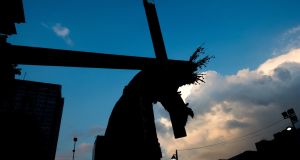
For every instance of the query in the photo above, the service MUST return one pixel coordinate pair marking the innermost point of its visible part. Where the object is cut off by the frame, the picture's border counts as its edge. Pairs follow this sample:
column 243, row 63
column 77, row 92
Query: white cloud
column 63, row 32
column 165, row 122
column 269, row 66
column 185, row 91
column 231, row 106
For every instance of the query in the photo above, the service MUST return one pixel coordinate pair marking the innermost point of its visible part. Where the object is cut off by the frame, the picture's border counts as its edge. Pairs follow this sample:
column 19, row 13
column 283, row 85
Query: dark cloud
column 231, row 124
column 282, row 74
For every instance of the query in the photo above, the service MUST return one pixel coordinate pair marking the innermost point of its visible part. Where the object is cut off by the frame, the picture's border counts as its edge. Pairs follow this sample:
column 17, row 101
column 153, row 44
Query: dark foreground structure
column 30, row 116
column 284, row 146
column 131, row 132
column 30, row 112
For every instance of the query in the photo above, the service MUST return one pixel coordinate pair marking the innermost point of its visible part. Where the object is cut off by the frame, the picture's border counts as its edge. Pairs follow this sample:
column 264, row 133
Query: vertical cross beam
column 156, row 35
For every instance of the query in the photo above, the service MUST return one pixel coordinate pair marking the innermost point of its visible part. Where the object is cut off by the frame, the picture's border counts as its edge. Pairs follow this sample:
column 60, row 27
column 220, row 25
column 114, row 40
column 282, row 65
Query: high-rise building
column 30, row 116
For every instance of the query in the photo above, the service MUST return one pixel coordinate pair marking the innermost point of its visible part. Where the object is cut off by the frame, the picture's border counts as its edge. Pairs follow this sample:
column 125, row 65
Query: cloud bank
column 231, row 110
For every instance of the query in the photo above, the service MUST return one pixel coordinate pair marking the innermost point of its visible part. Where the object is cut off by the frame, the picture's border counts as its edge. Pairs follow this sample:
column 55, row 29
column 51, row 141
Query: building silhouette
column 98, row 147
column 30, row 116
column 285, row 146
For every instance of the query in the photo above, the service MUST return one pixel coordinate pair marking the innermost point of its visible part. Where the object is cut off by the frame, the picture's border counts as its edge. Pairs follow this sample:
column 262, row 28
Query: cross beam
column 56, row 57
column 15, row 54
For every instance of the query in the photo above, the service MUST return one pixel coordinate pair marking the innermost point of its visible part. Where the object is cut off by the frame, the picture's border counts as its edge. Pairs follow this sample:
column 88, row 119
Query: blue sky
column 240, row 34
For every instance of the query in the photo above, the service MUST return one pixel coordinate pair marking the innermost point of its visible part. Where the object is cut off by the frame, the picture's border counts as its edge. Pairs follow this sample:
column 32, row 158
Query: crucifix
column 131, row 129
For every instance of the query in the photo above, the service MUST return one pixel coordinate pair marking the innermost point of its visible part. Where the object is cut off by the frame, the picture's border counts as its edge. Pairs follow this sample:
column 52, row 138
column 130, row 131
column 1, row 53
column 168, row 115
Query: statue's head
column 164, row 82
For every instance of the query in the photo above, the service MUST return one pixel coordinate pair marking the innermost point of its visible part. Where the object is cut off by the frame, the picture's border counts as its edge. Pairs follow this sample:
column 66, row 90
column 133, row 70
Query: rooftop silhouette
column 285, row 145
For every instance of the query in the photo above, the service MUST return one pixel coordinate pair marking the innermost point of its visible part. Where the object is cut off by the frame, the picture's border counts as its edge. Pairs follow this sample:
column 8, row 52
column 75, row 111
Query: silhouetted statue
column 131, row 131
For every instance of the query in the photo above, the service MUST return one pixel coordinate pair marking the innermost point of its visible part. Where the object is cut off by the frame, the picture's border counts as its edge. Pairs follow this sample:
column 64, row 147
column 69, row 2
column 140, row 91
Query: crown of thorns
column 192, row 75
